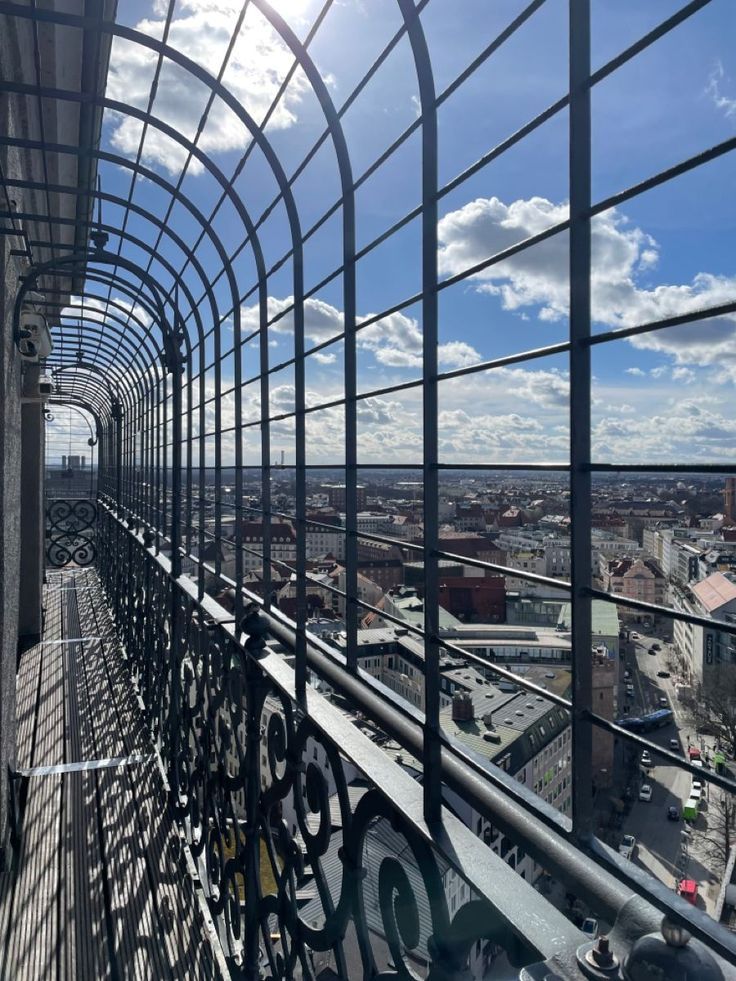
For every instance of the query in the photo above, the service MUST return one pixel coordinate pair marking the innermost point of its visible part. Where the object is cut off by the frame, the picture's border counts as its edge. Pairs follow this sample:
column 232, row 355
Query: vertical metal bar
column 265, row 428
column 163, row 523
column 202, row 476
column 188, row 461
column 351, row 434
column 300, row 489
column 176, row 425
column 580, row 481
column 119, row 455
column 148, row 432
column 218, row 446
column 256, row 693
column 238, row 410
column 432, row 744
column 157, row 479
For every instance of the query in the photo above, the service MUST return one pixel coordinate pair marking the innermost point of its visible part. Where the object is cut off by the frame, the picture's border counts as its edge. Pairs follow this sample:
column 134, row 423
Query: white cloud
column 622, row 255
column 325, row 357
column 726, row 103
column 637, row 372
column 675, row 430
column 202, row 29
column 395, row 340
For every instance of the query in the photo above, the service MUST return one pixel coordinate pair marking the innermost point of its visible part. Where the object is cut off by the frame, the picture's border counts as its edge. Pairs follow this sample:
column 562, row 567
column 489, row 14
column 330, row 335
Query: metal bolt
column 601, row 956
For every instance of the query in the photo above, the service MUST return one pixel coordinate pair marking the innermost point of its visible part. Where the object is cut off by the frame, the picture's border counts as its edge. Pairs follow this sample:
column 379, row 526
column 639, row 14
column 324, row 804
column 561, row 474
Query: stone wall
column 10, row 454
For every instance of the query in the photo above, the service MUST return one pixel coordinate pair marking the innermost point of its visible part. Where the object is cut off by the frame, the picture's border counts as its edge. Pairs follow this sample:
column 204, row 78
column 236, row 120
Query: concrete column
column 10, row 450
column 32, row 523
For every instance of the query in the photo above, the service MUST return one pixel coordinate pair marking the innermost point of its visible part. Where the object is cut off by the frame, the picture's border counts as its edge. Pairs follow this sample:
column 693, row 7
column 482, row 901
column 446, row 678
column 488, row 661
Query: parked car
column 589, row 927
column 696, row 794
column 672, row 813
column 663, row 674
column 630, row 691
column 627, row 846
column 663, row 703
column 690, row 810
column 652, row 650
column 634, row 635
column 645, row 792
column 657, row 647
column 627, row 675
column 674, row 743
column 688, row 889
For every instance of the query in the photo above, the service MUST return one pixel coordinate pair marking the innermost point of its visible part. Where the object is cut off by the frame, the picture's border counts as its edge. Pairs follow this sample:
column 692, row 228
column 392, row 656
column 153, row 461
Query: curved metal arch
column 171, row 189
column 135, row 386
column 93, row 437
column 115, row 396
column 125, row 286
column 347, row 186
column 139, row 243
column 81, row 404
column 198, row 72
column 95, row 396
column 170, row 339
column 114, row 304
column 111, row 318
column 141, row 212
column 126, row 317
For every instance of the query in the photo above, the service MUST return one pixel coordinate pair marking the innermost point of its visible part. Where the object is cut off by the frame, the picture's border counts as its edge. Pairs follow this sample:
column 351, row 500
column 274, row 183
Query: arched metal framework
column 156, row 348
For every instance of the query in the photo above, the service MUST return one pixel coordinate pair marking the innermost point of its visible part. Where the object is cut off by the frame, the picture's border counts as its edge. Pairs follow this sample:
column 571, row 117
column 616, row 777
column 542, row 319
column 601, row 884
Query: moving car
column 674, row 743
column 630, row 690
column 590, row 927
column 672, row 813
column 663, row 703
column 688, row 889
column 645, row 792
column 646, row 759
column 627, row 846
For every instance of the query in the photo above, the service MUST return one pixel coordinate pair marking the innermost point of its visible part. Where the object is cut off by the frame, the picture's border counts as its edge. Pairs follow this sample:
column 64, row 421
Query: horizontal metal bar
column 664, row 611
column 716, row 468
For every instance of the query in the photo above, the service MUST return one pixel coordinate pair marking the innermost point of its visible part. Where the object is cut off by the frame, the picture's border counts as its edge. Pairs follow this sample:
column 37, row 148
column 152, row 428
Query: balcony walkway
column 96, row 890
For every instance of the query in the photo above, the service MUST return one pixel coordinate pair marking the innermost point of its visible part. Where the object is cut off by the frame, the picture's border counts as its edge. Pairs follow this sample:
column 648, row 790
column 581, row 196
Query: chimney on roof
column 729, row 500
column 462, row 707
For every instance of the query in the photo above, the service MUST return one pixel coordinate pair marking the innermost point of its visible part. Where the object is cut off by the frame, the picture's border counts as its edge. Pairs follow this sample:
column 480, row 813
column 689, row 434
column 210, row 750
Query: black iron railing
column 310, row 842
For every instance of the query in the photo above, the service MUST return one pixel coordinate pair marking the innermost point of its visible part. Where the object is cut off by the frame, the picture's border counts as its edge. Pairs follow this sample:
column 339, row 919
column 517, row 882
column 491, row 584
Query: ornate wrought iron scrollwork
column 70, row 533
column 305, row 864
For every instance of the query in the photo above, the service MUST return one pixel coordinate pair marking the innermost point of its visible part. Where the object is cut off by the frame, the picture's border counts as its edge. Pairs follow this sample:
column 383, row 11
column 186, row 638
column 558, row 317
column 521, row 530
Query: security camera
column 34, row 337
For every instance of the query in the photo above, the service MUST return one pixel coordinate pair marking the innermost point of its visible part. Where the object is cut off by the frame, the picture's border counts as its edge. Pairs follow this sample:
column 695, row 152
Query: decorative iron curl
column 70, row 533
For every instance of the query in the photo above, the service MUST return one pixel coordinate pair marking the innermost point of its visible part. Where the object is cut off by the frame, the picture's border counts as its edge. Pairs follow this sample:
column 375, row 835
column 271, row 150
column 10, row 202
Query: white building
column 703, row 651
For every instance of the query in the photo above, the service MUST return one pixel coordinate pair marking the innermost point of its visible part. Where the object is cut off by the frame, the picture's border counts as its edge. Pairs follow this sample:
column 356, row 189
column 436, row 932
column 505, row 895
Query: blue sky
column 661, row 397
